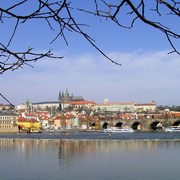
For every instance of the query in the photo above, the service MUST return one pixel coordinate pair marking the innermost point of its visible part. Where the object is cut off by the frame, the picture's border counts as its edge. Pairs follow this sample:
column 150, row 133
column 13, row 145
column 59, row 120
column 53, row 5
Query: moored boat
column 118, row 130
column 173, row 129
column 29, row 130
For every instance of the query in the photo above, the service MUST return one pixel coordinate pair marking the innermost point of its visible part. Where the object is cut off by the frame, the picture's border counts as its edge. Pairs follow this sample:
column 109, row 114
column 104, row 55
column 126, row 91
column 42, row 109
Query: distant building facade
column 130, row 107
column 5, row 107
column 116, row 107
column 66, row 121
column 8, row 122
column 149, row 107
column 44, row 105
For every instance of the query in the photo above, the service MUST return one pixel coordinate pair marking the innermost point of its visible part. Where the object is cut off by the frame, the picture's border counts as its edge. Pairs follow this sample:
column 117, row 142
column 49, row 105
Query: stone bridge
column 139, row 124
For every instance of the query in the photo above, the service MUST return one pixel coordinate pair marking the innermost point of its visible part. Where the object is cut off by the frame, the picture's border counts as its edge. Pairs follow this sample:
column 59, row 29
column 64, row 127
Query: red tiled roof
column 59, row 117
column 21, row 118
column 27, row 120
column 68, row 116
column 29, row 114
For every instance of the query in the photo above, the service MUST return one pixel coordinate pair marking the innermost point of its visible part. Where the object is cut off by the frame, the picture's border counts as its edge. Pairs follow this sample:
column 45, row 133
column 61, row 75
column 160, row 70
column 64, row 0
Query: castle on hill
column 64, row 99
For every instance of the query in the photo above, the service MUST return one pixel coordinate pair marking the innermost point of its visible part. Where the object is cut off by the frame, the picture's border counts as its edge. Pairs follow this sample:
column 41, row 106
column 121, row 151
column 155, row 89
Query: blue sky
column 147, row 72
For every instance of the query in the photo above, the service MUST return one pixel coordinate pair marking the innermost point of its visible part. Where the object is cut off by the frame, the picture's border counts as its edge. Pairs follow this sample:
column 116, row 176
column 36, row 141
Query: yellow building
column 28, row 125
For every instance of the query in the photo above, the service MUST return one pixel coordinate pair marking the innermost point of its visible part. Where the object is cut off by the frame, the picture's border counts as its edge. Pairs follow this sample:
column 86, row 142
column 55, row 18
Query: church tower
column 66, row 96
column 60, row 102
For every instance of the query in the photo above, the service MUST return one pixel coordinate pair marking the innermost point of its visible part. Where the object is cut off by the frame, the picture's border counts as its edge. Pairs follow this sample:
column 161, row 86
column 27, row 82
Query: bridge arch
column 105, row 125
column 119, row 124
column 92, row 125
column 136, row 125
column 156, row 125
column 176, row 123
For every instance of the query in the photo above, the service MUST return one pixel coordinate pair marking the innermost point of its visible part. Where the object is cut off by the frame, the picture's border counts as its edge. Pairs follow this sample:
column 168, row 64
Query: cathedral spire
column 60, row 101
column 60, row 96
column 60, row 107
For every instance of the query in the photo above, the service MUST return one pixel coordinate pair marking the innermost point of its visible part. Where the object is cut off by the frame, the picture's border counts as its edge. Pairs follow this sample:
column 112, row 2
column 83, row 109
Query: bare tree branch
column 139, row 12
column 22, row 58
column 59, row 18
column 7, row 100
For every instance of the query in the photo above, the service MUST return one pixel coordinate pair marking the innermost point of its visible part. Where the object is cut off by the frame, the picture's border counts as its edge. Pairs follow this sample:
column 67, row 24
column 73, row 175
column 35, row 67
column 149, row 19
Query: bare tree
column 59, row 14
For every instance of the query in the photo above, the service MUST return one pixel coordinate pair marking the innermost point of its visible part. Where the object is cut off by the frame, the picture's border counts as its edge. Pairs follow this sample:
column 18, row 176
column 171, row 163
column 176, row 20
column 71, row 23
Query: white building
column 126, row 107
column 116, row 107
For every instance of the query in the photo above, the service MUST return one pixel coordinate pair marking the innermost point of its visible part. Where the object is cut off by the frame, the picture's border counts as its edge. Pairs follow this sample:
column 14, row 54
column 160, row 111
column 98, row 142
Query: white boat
column 118, row 130
column 173, row 129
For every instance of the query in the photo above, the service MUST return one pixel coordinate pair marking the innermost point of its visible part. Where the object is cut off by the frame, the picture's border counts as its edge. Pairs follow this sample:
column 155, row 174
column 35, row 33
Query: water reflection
column 73, row 148
column 88, row 159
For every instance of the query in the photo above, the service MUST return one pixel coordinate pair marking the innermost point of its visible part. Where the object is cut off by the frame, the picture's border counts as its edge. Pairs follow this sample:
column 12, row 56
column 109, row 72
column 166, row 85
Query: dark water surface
column 90, row 156
column 94, row 135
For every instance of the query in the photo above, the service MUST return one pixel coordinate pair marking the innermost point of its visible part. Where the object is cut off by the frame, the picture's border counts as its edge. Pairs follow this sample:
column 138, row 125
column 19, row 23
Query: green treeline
column 171, row 108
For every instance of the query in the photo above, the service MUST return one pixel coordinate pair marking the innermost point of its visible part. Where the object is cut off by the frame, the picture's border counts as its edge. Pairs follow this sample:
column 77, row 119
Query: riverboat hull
column 173, row 129
column 118, row 130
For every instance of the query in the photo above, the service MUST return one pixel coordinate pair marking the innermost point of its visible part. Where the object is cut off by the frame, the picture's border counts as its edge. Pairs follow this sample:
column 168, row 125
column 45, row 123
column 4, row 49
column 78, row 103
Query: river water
column 90, row 156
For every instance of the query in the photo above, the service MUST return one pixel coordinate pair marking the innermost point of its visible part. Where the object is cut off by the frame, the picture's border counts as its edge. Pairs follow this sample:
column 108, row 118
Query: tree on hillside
column 59, row 16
